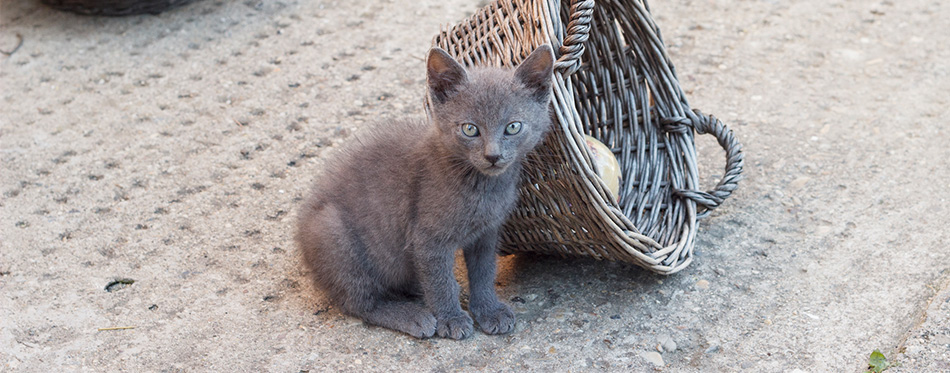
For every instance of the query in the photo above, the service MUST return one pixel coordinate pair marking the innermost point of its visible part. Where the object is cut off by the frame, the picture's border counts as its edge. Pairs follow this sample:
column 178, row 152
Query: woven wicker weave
column 114, row 7
column 613, row 80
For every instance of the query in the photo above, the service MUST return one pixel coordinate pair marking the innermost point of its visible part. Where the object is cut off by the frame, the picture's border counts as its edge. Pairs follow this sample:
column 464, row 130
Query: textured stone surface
column 172, row 150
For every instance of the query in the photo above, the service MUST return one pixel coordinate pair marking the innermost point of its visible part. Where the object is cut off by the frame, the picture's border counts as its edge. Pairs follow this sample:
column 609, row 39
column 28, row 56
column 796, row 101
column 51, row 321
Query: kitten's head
column 490, row 117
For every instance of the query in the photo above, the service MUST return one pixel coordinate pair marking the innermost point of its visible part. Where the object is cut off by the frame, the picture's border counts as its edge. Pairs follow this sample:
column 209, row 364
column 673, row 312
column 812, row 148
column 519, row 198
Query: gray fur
column 380, row 231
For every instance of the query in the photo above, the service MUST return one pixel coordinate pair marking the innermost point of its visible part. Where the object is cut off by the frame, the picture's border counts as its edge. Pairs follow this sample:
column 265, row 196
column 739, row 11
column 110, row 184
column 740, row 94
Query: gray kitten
column 380, row 231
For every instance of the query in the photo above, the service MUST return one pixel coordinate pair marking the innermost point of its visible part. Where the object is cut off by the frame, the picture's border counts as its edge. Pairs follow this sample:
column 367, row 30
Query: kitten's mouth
column 494, row 170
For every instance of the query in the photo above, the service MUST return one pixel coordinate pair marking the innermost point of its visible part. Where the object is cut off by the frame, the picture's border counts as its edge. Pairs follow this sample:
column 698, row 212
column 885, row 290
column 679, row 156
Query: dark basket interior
column 114, row 7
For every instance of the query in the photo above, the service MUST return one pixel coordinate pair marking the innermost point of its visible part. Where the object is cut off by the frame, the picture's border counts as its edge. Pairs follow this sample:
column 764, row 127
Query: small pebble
column 669, row 345
column 653, row 357
column 702, row 284
column 712, row 349
column 665, row 343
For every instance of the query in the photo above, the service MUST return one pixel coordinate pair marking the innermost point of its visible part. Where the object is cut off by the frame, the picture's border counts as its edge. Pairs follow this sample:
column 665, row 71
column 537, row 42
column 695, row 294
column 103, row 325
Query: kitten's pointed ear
column 443, row 74
column 535, row 72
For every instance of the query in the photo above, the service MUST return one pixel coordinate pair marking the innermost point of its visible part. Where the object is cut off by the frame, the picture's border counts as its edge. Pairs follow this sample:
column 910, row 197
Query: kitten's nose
column 492, row 158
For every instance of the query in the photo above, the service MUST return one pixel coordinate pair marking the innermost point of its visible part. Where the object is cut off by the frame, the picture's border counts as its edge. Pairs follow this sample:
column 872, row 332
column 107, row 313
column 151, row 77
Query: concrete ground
column 172, row 151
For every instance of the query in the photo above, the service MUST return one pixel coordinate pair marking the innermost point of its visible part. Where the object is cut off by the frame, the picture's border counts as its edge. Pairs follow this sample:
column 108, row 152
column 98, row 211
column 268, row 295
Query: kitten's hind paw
column 421, row 326
column 498, row 320
column 455, row 327
column 408, row 317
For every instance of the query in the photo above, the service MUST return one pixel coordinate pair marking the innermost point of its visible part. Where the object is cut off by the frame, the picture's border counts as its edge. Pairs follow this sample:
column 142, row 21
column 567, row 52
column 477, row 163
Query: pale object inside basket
column 606, row 165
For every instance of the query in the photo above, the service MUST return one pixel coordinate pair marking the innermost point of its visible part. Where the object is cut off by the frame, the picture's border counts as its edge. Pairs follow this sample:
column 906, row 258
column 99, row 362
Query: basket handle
column 578, row 31
column 734, row 161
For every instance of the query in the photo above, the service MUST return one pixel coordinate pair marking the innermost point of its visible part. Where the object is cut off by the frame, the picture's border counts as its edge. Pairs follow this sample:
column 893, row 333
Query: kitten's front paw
column 455, row 327
column 497, row 320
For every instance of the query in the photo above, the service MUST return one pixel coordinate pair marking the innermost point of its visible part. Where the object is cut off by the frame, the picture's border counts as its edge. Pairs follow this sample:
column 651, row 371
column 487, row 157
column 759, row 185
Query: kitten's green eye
column 513, row 128
column 469, row 130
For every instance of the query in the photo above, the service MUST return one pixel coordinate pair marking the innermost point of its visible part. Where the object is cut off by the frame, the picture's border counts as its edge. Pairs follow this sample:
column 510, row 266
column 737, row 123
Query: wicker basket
column 114, row 7
column 614, row 81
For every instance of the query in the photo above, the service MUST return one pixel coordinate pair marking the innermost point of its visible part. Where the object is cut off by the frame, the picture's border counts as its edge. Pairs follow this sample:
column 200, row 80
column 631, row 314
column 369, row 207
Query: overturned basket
column 614, row 81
